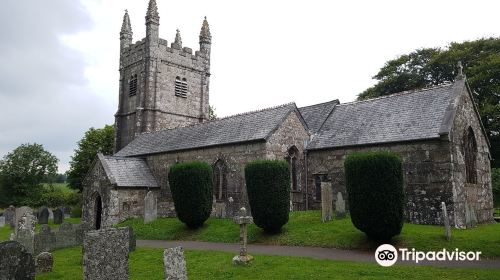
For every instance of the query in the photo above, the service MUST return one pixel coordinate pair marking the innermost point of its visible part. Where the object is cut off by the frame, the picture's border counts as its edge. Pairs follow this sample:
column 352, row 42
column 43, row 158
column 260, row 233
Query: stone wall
column 291, row 133
column 478, row 195
column 427, row 175
column 97, row 184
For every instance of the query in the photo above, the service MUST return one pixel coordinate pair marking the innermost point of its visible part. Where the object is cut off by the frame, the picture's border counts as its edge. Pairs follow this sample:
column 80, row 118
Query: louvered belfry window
column 180, row 87
column 132, row 85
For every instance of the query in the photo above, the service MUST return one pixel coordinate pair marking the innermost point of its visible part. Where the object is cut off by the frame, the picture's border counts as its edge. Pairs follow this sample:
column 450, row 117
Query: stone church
column 163, row 119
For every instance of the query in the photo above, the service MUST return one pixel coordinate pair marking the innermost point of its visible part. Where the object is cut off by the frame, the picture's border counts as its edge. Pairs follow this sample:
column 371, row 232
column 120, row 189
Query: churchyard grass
column 147, row 263
column 5, row 230
column 306, row 229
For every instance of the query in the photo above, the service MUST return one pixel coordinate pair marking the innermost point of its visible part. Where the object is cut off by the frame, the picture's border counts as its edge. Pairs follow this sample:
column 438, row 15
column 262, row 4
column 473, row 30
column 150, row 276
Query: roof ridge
column 333, row 100
column 406, row 92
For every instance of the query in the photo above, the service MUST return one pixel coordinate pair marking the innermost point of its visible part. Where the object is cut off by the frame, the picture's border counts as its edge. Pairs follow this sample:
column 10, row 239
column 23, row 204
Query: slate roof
column 246, row 127
column 128, row 172
column 315, row 115
column 422, row 114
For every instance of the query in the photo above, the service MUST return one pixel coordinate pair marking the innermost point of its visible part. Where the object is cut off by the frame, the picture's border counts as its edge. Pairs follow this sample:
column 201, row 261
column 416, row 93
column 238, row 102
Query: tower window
column 220, row 180
column 470, row 151
column 180, row 86
column 132, row 85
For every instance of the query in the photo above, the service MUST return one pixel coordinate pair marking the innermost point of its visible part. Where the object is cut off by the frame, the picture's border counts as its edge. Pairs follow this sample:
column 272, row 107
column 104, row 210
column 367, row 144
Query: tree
column 100, row 140
column 433, row 66
column 22, row 171
column 212, row 115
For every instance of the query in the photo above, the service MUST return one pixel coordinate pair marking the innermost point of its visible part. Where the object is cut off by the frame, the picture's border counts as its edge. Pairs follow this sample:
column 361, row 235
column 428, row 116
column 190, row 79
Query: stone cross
column 340, row 207
column 326, row 201
column 446, row 222
column 243, row 220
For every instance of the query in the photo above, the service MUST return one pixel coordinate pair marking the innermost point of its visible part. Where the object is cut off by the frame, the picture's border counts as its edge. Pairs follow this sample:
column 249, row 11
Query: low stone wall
column 68, row 235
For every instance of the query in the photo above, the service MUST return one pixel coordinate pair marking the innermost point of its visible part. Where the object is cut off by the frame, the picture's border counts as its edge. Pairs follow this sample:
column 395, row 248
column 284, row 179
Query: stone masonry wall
column 427, row 175
column 97, row 184
column 291, row 133
column 479, row 196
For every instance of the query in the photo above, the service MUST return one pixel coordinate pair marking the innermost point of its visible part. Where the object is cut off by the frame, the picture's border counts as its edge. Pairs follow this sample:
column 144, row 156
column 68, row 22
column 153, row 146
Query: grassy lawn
column 306, row 229
column 5, row 231
column 147, row 263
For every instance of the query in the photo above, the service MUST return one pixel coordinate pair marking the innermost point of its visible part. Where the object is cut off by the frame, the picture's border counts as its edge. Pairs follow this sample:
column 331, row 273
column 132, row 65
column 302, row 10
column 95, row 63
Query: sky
column 59, row 58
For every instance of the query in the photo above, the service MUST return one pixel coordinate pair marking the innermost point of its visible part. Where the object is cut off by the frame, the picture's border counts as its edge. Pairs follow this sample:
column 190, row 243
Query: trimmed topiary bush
column 191, row 187
column 374, row 182
column 268, row 188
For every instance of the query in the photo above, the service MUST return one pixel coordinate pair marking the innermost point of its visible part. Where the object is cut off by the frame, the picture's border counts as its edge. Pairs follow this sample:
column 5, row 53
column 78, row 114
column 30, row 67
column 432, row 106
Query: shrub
column 191, row 187
column 375, row 191
column 268, row 188
column 495, row 178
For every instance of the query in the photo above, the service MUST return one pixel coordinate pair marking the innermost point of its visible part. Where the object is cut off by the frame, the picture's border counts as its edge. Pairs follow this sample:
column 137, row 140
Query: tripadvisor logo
column 387, row 255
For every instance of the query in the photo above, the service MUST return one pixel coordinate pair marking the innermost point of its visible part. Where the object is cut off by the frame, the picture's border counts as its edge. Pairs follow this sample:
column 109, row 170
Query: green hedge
column 268, row 188
column 375, row 191
column 495, row 178
column 192, row 191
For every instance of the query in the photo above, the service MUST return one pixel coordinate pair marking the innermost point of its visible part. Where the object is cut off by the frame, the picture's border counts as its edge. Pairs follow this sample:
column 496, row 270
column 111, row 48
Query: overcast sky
column 59, row 58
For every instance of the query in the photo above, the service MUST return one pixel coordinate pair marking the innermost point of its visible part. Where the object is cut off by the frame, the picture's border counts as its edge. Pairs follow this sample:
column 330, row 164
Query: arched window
column 180, row 86
column 132, row 85
column 220, row 180
column 470, row 151
column 292, row 158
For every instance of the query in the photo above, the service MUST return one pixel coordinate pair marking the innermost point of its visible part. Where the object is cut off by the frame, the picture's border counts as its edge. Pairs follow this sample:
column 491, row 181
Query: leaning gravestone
column 44, row 262
column 43, row 215
column 105, row 254
column 446, row 222
column 150, row 207
column 58, row 216
column 175, row 264
column 326, row 201
column 10, row 214
column 15, row 262
column 340, row 206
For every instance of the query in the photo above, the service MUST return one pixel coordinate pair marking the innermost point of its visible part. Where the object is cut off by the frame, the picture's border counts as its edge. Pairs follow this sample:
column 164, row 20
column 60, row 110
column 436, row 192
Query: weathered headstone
column 340, row 206
column 132, row 241
column 66, row 236
column 20, row 212
column 150, row 207
column 25, row 233
column 10, row 216
column 45, row 240
column 15, row 262
column 326, row 201
column 446, row 222
column 105, row 254
column 470, row 216
column 51, row 215
column 2, row 221
column 175, row 264
column 44, row 262
column 243, row 220
column 58, row 216
column 43, row 215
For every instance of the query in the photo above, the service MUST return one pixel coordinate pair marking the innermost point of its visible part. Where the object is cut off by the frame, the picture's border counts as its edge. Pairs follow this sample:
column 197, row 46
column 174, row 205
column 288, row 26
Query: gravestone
column 51, row 215
column 2, row 221
column 15, row 262
column 43, row 215
column 105, row 254
column 243, row 220
column 25, row 233
column 340, row 206
column 132, row 241
column 66, row 236
column 470, row 216
column 446, row 222
column 45, row 240
column 326, row 201
column 10, row 214
column 150, row 207
column 58, row 216
column 20, row 212
column 174, row 264
column 44, row 262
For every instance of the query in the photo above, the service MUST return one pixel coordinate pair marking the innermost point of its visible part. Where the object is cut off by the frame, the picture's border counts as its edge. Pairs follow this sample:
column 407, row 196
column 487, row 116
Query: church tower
column 161, row 87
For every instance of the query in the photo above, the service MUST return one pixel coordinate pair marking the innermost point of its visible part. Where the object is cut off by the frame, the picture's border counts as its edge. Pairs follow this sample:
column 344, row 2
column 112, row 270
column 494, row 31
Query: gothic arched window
column 470, row 152
column 180, row 86
column 220, row 180
column 132, row 85
column 292, row 158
